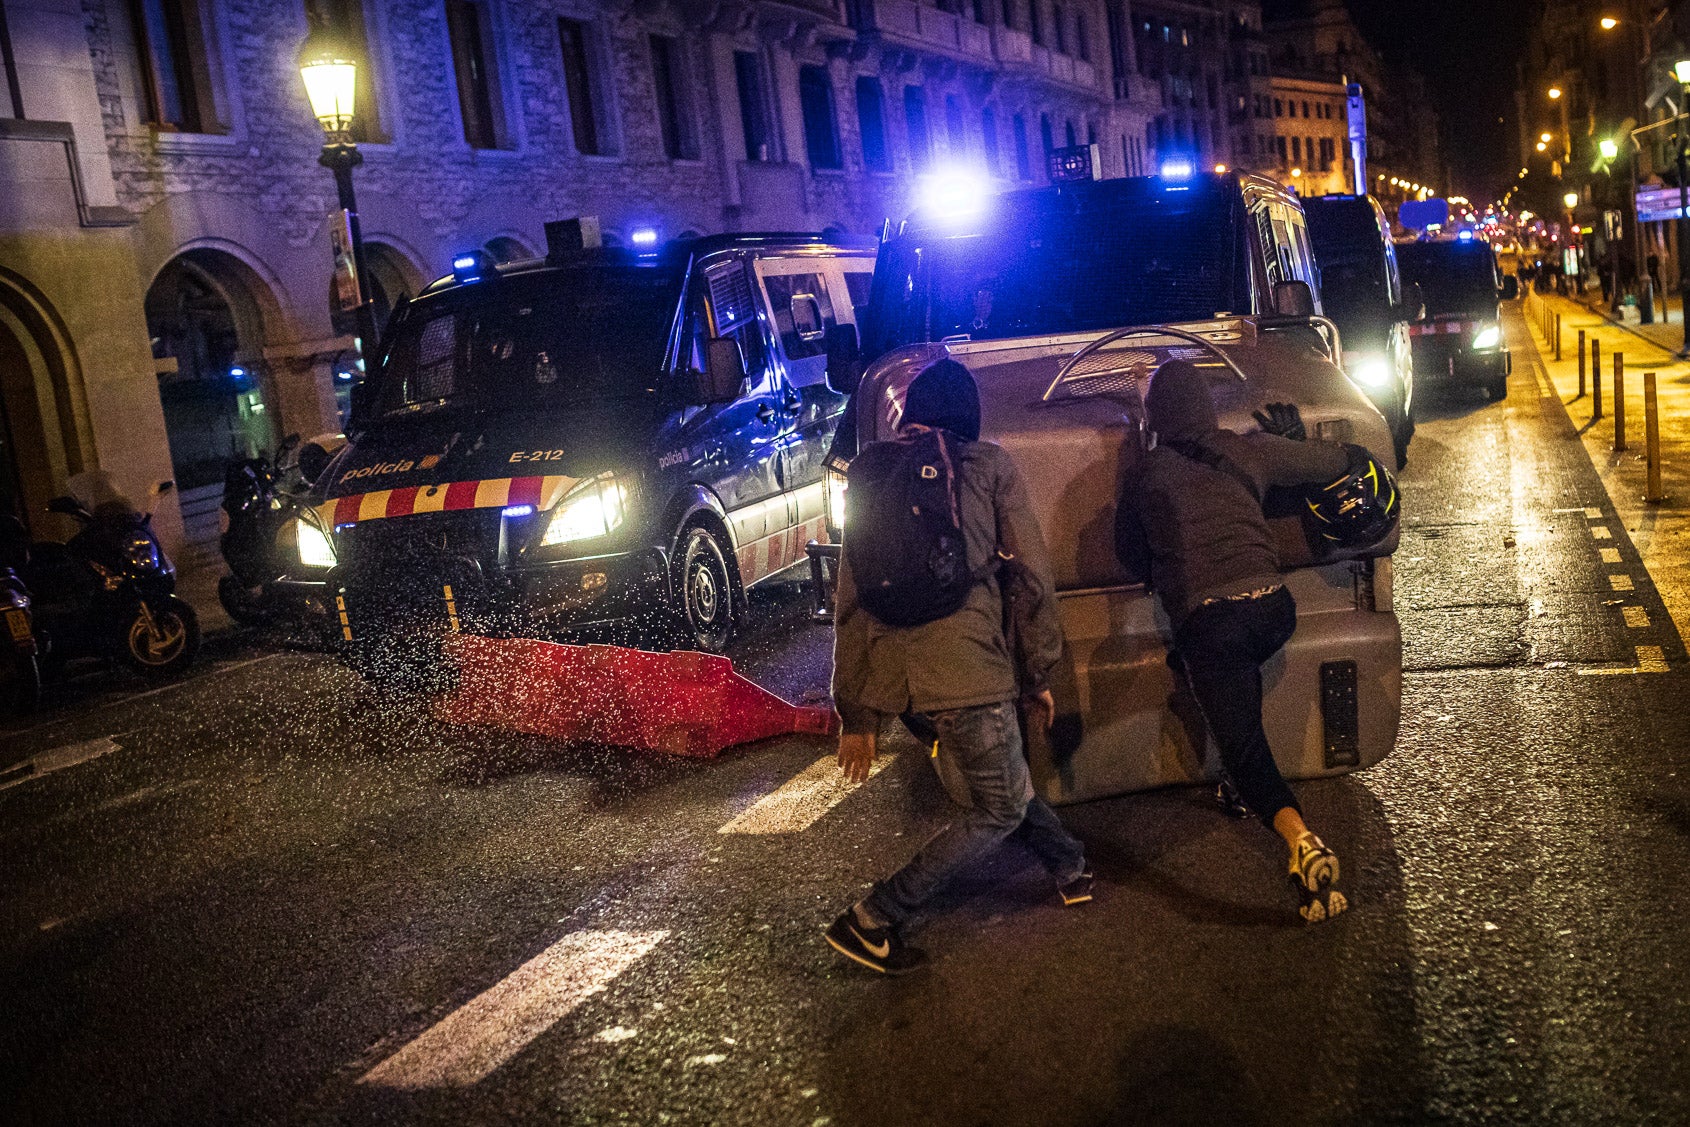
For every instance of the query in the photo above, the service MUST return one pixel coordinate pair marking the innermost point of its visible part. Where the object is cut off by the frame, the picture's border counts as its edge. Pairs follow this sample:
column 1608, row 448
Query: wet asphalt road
column 272, row 880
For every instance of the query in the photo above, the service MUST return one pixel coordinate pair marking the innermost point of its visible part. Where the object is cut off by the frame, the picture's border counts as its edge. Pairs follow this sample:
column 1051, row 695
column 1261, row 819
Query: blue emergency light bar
column 1178, row 168
column 511, row 512
column 643, row 237
column 469, row 267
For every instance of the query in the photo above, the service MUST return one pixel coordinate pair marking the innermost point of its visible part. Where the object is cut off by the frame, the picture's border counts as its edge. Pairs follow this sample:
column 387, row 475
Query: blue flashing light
column 511, row 512
column 1465, row 236
column 466, row 267
column 643, row 237
column 956, row 194
column 1178, row 168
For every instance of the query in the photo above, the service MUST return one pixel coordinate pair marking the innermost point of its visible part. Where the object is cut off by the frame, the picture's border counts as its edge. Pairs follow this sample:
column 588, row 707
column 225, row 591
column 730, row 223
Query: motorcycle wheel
column 160, row 641
column 240, row 604
column 20, row 685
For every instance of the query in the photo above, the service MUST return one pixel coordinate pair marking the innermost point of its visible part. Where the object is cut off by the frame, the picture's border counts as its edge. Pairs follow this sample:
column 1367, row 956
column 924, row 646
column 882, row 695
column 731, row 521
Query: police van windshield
column 1453, row 277
column 553, row 339
column 1078, row 261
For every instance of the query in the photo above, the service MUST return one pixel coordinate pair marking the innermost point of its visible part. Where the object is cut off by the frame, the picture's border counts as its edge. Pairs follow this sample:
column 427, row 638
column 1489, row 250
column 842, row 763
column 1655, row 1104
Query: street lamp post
column 330, row 71
column 1681, row 71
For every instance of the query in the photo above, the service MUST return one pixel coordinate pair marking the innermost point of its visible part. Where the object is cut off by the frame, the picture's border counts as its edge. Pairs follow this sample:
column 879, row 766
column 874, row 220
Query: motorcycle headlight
column 593, row 508
column 141, row 552
column 1372, row 372
column 315, row 548
column 836, row 498
column 1489, row 337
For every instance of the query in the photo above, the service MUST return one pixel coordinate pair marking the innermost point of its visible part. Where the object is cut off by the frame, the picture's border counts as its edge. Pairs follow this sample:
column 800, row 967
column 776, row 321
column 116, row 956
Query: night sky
column 1467, row 53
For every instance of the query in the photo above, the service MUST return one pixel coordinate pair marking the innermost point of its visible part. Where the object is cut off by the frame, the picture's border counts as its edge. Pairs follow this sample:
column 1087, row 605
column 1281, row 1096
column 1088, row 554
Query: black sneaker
column 1314, row 874
column 1076, row 891
column 877, row 948
column 1230, row 801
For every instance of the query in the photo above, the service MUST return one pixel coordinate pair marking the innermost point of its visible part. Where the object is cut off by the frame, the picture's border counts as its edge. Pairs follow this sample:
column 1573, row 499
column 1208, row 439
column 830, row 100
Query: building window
column 478, row 82
column 989, row 134
column 754, row 107
column 346, row 18
column 13, row 105
column 1082, row 39
column 979, row 9
column 1023, row 161
column 1059, row 21
column 1071, row 137
column 1046, row 135
column 821, row 131
column 1009, row 13
column 1297, row 149
column 170, row 44
column 589, row 104
column 954, row 128
column 1035, row 25
column 1278, row 108
column 871, row 124
column 915, row 124
column 674, row 108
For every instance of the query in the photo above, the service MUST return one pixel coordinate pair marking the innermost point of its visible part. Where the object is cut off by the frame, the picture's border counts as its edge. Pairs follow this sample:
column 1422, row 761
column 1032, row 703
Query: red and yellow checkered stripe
column 494, row 493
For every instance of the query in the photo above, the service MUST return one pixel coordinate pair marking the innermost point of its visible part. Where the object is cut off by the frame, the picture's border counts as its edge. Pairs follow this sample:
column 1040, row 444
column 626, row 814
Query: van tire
column 1496, row 390
column 705, row 611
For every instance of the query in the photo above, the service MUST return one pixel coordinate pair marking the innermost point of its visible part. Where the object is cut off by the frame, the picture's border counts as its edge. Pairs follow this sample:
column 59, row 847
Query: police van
column 1063, row 301
column 628, row 435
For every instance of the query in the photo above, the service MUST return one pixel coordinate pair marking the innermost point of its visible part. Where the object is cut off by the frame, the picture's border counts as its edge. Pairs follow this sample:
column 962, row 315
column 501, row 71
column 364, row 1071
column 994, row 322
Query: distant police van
column 606, row 435
column 1063, row 301
column 1459, row 340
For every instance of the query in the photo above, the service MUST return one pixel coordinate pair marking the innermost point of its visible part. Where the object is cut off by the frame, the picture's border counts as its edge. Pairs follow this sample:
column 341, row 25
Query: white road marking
column 1545, row 390
column 475, row 1039
column 1610, row 555
column 808, row 795
column 1600, row 531
column 55, row 759
column 1621, row 582
column 1651, row 659
column 1593, row 514
column 1635, row 617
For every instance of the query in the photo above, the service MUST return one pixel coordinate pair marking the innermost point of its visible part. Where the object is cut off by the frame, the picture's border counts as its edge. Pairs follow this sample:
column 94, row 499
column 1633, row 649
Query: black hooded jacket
column 1195, row 531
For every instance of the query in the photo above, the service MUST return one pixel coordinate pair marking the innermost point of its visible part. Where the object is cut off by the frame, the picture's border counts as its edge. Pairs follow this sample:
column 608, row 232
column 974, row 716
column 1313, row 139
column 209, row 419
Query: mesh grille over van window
column 436, row 366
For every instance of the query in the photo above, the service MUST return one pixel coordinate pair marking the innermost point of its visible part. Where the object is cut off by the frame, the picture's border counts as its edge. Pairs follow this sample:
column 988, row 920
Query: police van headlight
column 1371, row 372
column 1489, row 337
column 593, row 508
column 836, row 498
column 315, row 548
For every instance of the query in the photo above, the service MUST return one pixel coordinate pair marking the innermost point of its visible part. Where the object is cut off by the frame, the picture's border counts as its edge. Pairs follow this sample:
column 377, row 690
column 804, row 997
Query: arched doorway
column 390, row 279
column 207, row 330
column 508, row 248
column 44, row 435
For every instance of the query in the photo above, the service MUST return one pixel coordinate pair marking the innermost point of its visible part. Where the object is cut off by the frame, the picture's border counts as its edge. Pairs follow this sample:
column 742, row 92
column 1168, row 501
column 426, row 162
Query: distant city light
column 1545, row 137
column 1571, row 199
column 1608, row 148
column 1681, row 71
column 1542, row 145
column 1554, row 92
column 1220, row 170
column 1609, row 23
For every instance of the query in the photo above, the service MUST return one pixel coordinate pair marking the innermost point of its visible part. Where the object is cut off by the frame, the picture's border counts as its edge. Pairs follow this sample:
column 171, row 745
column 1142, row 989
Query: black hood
column 944, row 396
column 1179, row 406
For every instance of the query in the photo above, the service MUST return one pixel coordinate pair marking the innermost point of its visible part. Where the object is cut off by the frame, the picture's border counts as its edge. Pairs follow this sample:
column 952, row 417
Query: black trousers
column 1222, row 647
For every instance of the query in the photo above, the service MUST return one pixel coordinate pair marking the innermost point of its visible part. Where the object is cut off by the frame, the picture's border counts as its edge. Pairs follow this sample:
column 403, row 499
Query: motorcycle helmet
column 1354, row 511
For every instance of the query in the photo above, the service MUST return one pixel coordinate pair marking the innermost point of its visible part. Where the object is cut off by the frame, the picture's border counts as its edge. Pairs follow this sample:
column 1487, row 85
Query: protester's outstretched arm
column 850, row 655
column 1020, row 528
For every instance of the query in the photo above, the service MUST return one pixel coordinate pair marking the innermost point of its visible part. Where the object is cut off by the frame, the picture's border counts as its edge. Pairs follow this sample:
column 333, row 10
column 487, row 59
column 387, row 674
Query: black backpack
column 903, row 520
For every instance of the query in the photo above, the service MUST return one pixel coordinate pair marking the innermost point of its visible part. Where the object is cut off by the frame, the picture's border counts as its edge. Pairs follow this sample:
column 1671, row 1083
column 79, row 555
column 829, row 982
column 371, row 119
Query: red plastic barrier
column 682, row 703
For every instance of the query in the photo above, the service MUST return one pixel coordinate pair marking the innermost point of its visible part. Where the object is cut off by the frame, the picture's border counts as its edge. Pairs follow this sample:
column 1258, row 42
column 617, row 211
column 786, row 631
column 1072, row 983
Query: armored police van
column 605, row 435
column 1063, row 301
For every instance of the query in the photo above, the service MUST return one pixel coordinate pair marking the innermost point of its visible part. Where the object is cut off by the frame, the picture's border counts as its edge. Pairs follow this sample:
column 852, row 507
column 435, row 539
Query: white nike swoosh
column 878, row 950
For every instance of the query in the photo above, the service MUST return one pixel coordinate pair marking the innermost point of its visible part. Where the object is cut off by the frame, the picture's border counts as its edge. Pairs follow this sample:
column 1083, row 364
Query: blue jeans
column 986, row 743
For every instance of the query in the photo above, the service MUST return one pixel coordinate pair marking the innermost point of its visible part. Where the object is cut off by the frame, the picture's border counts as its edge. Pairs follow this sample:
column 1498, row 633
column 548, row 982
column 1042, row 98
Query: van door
column 736, row 445
column 806, row 297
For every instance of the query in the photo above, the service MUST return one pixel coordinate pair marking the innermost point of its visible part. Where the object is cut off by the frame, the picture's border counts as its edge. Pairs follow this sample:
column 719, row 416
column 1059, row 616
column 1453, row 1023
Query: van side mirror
column 1510, row 287
column 807, row 317
column 724, row 371
column 1293, row 299
column 844, row 359
column 1413, row 306
column 312, row 461
column 65, row 506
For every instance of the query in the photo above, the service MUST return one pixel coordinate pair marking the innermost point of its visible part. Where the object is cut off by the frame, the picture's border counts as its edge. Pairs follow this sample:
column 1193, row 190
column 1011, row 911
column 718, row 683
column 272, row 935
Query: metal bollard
column 1619, row 401
column 1596, row 378
column 1651, row 441
column 1581, row 364
column 1557, row 336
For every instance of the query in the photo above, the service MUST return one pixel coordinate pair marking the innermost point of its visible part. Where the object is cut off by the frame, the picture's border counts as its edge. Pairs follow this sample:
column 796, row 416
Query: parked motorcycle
column 20, row 671
column 261, row 497
column 109, row 592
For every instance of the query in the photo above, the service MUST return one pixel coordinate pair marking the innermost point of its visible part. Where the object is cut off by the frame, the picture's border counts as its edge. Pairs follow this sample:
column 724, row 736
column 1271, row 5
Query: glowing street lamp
column 1542, row 145
column 329, row 69
column 1571, row 199
column 1608, row 148
column 1554, row 92
column 1609, row 23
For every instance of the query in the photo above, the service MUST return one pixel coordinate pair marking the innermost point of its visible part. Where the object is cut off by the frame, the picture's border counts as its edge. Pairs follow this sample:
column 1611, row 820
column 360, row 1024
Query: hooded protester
column 1191, row 525
column 959, row 671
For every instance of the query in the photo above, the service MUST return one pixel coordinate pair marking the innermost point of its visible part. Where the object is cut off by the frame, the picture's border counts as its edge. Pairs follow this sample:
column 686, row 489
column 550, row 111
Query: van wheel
column 703, row 592
column 1497, row 389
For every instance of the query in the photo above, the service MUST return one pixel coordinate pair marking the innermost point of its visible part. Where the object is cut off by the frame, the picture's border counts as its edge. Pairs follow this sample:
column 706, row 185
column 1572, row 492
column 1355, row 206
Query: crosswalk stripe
column 1610, row 555
column 808, row 795
column 485, row 1032
column 1600, row 532
column 1621, row 582
column 1651, row 659
column 1635, row 617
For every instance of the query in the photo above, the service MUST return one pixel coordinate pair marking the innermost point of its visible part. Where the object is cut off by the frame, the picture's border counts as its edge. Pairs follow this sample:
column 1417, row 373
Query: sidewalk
column 1660, row 531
